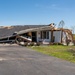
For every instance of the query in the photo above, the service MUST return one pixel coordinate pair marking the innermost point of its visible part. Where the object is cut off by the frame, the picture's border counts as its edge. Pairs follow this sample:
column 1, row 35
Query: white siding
column 39, row 37
column 57, row 35
column 49, row 36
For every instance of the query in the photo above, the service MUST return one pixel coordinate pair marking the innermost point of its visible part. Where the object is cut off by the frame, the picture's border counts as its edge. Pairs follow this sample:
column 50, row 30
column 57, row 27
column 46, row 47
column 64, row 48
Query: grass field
column 63, row 52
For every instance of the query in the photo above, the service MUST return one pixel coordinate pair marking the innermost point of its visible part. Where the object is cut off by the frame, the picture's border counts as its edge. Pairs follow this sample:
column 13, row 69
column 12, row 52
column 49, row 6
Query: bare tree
column 61, row 24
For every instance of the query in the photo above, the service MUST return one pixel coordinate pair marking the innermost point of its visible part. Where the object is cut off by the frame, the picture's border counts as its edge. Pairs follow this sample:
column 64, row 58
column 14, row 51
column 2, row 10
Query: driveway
column 17, row 60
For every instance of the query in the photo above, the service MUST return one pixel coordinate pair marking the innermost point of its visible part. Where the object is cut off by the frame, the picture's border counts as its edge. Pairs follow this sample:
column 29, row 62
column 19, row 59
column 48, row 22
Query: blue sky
column 29, row 12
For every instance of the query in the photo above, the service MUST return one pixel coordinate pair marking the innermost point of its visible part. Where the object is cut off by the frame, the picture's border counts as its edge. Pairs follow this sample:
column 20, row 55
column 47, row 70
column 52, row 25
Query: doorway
column 34, row 37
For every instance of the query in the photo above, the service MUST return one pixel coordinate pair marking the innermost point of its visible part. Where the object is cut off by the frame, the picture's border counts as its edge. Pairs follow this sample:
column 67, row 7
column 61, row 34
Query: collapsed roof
column 50, row 27
column 9, row 30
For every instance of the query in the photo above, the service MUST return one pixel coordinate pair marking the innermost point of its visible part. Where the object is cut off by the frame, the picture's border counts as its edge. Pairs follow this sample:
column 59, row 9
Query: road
column 17, row 60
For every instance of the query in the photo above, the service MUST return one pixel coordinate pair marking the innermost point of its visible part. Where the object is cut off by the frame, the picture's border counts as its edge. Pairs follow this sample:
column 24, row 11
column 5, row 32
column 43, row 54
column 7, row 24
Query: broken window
column 44, row 34
column 41, row 35
column 47, row 34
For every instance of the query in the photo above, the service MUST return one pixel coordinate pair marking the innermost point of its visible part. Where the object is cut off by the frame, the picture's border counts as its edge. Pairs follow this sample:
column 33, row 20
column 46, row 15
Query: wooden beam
column 51, row 35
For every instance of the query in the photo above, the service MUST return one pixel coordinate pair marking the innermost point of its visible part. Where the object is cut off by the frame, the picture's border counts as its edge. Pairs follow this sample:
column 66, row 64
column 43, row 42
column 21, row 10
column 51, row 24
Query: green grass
column 63, row 52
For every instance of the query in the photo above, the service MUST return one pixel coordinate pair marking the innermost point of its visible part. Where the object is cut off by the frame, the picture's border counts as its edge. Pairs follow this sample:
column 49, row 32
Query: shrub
column 32, row 44
column 60, row 44
column 38, row 44
column 55, row 43
column 51, row 43
column 26, row 44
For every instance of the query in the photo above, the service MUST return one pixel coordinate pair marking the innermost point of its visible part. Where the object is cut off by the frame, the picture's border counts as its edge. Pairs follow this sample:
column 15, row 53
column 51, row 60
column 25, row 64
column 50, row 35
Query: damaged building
column 45, row 34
